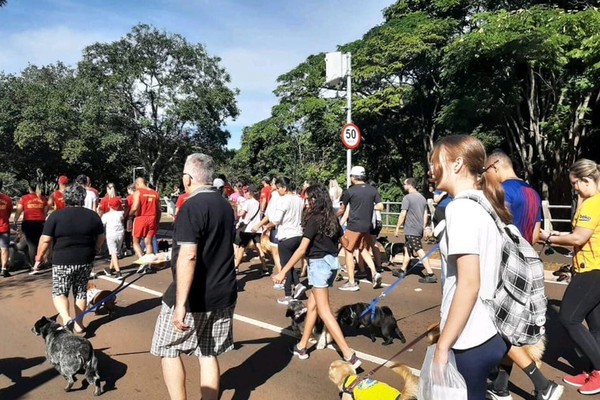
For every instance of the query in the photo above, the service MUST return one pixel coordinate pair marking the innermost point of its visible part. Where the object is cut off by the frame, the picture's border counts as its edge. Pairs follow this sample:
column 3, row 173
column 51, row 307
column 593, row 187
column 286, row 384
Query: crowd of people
column 215, row 224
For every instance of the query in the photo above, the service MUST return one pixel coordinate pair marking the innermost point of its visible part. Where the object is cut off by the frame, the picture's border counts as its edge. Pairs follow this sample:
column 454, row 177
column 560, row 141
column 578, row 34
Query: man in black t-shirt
column 197, row 310
column 362, row 199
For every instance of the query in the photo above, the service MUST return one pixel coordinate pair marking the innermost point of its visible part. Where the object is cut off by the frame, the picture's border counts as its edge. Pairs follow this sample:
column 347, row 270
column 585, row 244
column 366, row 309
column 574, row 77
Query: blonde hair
column 110, row 190
column 473, row 154
column 584, row 168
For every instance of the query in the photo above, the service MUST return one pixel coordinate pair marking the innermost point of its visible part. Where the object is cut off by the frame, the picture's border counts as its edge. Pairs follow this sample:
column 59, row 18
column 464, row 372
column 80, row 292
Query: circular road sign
column 350, row 136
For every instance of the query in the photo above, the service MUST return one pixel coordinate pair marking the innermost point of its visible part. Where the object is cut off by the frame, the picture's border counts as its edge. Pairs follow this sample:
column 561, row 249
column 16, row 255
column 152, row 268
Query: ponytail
column 494, row 192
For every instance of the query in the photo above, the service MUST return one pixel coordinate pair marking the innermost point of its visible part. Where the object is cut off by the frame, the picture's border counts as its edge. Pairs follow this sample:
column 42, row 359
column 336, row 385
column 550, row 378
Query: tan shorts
column 355, row 240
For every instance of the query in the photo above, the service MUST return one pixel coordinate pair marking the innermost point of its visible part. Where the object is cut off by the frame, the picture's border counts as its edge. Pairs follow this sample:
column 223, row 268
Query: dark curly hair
column 321, row 209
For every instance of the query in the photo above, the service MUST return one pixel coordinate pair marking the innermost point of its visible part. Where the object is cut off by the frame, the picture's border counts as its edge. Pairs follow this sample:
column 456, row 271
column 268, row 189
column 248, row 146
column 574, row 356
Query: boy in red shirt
column 6, row 208
column 146, row 208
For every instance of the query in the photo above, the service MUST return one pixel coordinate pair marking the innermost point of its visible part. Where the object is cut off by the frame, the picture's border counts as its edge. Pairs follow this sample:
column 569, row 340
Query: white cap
column 218, row 183
column 357, row 171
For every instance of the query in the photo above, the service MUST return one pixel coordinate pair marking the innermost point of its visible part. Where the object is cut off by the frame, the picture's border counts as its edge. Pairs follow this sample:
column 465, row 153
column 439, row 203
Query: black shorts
column 413, row 243
column 244, row 238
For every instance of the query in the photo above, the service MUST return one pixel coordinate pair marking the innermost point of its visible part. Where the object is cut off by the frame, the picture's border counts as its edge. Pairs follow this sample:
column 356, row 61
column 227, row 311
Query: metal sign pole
column 349, row 112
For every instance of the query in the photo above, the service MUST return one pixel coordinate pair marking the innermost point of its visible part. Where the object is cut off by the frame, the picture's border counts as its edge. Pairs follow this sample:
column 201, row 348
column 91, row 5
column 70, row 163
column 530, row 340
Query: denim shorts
column 273, row 236
column 4, row 240
column 322, row 271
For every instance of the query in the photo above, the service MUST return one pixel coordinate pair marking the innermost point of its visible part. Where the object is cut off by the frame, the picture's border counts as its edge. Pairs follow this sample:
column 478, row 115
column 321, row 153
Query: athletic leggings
column 581, row 301
column 475, row 364
column 287, row 247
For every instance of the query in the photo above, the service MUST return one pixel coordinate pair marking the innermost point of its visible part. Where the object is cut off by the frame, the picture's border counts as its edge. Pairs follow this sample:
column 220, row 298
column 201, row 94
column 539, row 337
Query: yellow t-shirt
column 587, row 257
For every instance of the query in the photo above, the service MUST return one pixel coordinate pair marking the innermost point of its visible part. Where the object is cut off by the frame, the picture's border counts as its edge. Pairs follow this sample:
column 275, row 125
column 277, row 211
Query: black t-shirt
column 206, row 220
column 320, row 245
column 362, row 198
column 74, row 231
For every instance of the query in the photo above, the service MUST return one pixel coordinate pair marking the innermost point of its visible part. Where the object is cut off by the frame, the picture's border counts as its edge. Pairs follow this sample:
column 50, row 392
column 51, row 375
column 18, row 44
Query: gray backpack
column 519, row 304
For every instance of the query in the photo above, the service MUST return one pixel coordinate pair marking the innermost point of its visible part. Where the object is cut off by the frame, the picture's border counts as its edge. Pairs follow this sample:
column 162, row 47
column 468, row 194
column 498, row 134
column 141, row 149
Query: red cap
column 115, row 203
column 63, row 179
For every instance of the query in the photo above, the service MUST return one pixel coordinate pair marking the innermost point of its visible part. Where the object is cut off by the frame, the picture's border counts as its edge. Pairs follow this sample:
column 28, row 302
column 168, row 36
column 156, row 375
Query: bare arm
column 18, row 212
column 465, row 296
column 578, row 237
column 186, row 266
column 136, row 203
column 378, row 207
column 43, row 246
column 401, row 219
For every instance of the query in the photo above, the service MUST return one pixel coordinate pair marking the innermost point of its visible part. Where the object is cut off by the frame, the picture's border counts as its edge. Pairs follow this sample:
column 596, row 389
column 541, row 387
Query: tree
column 169, row 97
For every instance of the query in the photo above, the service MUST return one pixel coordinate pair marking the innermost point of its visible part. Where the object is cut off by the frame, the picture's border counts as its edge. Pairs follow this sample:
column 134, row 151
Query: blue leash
column 375, row 301
column 97, row 305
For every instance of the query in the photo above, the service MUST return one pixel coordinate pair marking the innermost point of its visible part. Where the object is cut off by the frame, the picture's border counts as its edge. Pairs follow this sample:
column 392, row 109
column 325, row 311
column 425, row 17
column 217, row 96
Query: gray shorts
column 114, row 243
column 4, row 240
column 210, row 333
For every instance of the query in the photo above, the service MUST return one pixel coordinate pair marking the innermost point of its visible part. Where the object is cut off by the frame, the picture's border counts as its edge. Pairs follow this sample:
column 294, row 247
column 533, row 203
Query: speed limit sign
column 350, row 136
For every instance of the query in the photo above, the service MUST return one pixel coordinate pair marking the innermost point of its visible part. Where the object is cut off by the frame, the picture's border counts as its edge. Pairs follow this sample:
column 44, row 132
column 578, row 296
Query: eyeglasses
column 492, row 165
column 191, row 177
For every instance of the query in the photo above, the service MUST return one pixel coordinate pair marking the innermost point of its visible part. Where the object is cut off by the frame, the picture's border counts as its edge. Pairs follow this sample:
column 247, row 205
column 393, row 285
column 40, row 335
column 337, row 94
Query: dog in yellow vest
column 343, row 375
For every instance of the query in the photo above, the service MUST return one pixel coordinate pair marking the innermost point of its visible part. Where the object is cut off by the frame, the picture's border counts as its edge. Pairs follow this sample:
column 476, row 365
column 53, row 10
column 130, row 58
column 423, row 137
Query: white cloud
column 44, row 46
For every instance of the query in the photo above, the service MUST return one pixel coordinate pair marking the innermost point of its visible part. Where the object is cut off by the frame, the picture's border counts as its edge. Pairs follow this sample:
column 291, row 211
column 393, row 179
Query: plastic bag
column 439, row 382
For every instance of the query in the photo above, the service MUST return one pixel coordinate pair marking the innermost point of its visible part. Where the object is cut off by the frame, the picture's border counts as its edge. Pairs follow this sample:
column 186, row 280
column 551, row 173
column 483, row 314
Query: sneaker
column 553, row 392
column 493, row 394
column 577, row 380
column 107, row 271
column 377, row 281
column 592, row 386
column 93, row 275
column 299, row 290
column 119, row 276
column 278, row 286
column 428, row 279
column 398, row 272
column 353, row 360
column 350, row 287
column 301, row 353
column 35, row 271
column 5, row 273
column 285, row 300
column 142, row 268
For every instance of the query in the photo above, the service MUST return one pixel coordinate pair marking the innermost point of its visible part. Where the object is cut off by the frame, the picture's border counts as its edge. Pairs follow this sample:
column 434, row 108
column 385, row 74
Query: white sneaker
column 377, row 281
column 285, row 300
column 142, row 268
column 278, row 286
column 299, row 290
column 349, row 287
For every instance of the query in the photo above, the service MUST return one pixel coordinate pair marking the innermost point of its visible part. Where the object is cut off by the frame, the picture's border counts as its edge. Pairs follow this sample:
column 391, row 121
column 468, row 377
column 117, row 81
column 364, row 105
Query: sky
column 256, row 40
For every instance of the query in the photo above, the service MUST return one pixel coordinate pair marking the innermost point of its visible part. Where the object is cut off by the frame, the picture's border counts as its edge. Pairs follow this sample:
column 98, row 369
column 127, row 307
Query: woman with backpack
column 581, row 300
column 471, row 253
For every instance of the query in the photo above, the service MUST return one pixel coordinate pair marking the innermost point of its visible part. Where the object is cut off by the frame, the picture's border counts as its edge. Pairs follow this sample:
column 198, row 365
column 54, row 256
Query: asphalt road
column 260, row 367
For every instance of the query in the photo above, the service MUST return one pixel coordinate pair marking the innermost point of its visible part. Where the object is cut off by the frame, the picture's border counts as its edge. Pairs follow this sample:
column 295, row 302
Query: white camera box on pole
column 335, row 68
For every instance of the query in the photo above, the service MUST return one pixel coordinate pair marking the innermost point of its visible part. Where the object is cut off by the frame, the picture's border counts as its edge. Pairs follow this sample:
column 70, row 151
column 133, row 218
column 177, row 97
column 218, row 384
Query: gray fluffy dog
column 68, row 353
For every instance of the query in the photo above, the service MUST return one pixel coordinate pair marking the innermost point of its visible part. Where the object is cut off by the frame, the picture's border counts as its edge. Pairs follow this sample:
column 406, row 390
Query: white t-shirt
column 113, row 222
column 90, row 199
column 470, row 230
column 288, row 216
column 272, row 205
column 251, row 207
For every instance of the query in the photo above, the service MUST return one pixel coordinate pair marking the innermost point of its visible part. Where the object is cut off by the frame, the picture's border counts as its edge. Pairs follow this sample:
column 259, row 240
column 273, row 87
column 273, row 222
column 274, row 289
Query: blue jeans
column 475, row 364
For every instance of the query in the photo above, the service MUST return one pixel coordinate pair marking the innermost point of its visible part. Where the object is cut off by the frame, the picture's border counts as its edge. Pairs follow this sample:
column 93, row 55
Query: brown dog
column 95, row 296
column 342, row 374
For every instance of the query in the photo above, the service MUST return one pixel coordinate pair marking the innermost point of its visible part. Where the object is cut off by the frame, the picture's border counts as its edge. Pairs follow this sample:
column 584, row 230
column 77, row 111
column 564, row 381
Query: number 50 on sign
column 350, row 136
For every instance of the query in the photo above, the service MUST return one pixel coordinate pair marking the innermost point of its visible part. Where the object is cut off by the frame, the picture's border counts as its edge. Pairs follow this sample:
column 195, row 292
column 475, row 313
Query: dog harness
column 369, row 389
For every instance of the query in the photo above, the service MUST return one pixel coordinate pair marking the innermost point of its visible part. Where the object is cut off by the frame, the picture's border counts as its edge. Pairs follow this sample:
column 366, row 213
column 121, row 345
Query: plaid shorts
column 210, row 333
column 66, row 276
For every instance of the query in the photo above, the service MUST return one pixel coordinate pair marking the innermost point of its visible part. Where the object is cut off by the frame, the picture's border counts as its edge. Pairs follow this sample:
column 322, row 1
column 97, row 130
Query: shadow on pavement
column 132, row 309
column 251, row 273
column 110, row 370
column 13, row 369
column 257, row 369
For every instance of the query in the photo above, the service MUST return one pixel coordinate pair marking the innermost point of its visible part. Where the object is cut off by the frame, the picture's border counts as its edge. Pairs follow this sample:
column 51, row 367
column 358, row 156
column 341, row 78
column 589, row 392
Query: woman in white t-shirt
column 249, row 213
column 113, row 224
column 471, row 252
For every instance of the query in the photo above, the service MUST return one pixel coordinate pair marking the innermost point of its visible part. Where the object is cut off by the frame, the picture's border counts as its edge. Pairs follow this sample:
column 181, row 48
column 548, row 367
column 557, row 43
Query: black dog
column 381, row 323
column 297, row 312
column 70, row 354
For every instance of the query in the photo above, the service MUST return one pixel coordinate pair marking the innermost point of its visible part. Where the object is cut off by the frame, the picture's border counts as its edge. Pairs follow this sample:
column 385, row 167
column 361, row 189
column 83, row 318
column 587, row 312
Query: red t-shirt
column 104, row 208
column 265, row 194
column 33, row 207
column 6, row 208
column 228, row 189
column 148, row 199
column 181, row 199
column 59, row 200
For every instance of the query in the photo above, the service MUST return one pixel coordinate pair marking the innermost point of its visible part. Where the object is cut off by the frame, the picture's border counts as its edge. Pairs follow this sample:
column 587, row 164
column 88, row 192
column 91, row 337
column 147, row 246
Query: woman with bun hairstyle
column 471, row 252
column 581, row 300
